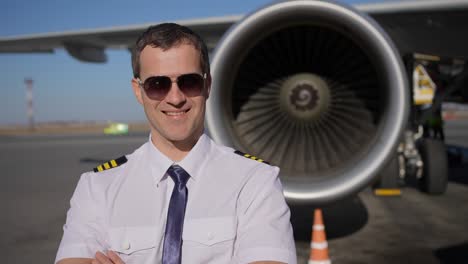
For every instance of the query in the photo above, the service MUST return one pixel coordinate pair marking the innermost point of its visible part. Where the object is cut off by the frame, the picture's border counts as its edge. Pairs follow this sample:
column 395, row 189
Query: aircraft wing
column 424, row 26
column 89, row 45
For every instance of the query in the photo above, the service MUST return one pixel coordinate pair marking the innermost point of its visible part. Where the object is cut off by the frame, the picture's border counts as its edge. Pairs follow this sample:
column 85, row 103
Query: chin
column 179, row 137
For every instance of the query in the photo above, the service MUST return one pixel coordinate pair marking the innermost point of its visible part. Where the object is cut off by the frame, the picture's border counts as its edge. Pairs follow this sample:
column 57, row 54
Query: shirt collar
column 191, row 163
column 194, row 161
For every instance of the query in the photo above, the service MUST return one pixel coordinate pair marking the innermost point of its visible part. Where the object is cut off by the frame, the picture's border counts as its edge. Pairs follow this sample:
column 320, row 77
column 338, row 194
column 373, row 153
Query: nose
column 175, row 96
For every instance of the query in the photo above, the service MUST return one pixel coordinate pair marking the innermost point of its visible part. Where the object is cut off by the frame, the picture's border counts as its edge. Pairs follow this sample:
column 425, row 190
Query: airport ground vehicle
column 116, row 129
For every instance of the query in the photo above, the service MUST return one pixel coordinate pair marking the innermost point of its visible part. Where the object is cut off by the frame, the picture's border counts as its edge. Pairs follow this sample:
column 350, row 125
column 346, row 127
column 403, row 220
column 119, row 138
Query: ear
column 208, row 86
column 137, row 91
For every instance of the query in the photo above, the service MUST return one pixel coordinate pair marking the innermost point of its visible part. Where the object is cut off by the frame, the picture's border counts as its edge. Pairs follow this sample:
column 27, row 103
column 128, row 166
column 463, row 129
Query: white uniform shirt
column 236, row 212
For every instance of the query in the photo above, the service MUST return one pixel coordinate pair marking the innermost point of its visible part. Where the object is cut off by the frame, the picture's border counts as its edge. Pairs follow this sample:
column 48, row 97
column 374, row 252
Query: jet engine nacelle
column 314, row 87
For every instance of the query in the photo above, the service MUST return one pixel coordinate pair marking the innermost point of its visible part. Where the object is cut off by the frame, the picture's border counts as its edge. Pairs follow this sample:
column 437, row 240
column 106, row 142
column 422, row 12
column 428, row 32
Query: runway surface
column 39, row 174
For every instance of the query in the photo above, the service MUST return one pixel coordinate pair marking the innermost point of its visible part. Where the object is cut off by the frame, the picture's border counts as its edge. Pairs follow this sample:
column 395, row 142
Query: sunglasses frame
column 141, row 83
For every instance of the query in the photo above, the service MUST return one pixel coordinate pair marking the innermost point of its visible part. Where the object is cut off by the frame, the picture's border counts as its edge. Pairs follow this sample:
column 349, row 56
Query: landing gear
column 420, row 162
column 435, row 166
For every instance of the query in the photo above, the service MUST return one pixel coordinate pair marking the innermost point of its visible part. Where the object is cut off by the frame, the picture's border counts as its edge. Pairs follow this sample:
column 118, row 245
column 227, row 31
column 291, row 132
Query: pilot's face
column 177, row 117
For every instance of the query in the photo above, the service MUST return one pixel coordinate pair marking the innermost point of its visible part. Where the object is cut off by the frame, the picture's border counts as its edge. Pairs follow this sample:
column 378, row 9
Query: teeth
column 175, row 113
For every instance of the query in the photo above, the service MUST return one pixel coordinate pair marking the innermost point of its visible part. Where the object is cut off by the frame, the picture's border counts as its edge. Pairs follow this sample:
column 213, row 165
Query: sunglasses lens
column 190, row 84
column 157, row 87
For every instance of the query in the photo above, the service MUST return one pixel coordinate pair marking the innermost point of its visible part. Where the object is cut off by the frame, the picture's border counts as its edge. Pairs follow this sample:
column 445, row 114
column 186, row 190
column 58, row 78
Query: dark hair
column 166, row 36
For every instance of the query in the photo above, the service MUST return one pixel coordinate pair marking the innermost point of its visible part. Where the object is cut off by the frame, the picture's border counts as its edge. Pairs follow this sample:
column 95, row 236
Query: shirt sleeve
column 82, row 230
column 264, row 227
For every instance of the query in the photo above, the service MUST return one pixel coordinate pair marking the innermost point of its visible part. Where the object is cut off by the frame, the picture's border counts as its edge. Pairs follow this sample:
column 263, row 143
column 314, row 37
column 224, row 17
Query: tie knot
column 178, row 175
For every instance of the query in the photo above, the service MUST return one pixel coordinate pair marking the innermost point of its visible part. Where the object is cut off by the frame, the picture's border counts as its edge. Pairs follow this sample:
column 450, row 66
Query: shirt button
column 210, row 236
column 126, row 245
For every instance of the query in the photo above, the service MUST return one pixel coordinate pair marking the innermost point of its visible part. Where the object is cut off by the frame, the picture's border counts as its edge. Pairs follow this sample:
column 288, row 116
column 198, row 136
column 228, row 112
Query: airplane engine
column 314, row 87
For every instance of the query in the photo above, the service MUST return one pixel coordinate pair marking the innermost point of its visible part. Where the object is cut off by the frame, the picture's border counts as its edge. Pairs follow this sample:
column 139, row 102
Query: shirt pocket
column 133, row 244
column 209, row 231
column 208, row 240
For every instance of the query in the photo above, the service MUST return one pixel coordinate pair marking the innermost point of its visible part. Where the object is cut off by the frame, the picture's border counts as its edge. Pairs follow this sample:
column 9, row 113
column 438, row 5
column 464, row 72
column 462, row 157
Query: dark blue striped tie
column 172, row 248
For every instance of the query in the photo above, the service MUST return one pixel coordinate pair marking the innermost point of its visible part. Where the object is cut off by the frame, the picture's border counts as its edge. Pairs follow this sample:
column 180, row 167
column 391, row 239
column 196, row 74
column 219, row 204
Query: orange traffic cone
column 319, row 245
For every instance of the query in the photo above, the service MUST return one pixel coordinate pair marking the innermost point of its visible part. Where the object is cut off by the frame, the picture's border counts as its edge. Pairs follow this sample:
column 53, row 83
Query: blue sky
column 68, row 90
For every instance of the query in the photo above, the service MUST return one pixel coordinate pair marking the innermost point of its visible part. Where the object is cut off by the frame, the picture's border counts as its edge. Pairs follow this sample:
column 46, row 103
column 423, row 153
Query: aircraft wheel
column 435, row 166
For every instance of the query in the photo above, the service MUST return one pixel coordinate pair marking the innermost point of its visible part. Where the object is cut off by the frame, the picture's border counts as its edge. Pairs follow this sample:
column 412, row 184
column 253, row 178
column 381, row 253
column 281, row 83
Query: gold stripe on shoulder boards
column 250, row 156
column 111, row 164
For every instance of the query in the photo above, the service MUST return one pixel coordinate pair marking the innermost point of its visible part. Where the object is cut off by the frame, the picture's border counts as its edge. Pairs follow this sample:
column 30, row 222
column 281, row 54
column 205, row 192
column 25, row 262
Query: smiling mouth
column 175, row 113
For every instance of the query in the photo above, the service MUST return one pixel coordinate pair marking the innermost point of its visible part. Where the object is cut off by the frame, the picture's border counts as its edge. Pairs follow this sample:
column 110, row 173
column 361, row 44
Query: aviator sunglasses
column 157, row 87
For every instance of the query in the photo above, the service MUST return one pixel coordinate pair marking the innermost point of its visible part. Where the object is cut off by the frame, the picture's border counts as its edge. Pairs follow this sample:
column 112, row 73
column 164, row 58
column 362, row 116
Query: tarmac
column 40, row 172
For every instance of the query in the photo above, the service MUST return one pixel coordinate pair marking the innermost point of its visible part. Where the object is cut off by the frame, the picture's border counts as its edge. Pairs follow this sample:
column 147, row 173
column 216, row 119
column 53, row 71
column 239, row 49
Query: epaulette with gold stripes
column 250, row 156
column 111, row 164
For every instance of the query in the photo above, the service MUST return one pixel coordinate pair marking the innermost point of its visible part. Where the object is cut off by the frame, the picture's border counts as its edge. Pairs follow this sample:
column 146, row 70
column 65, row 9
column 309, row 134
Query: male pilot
column 180, row 197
